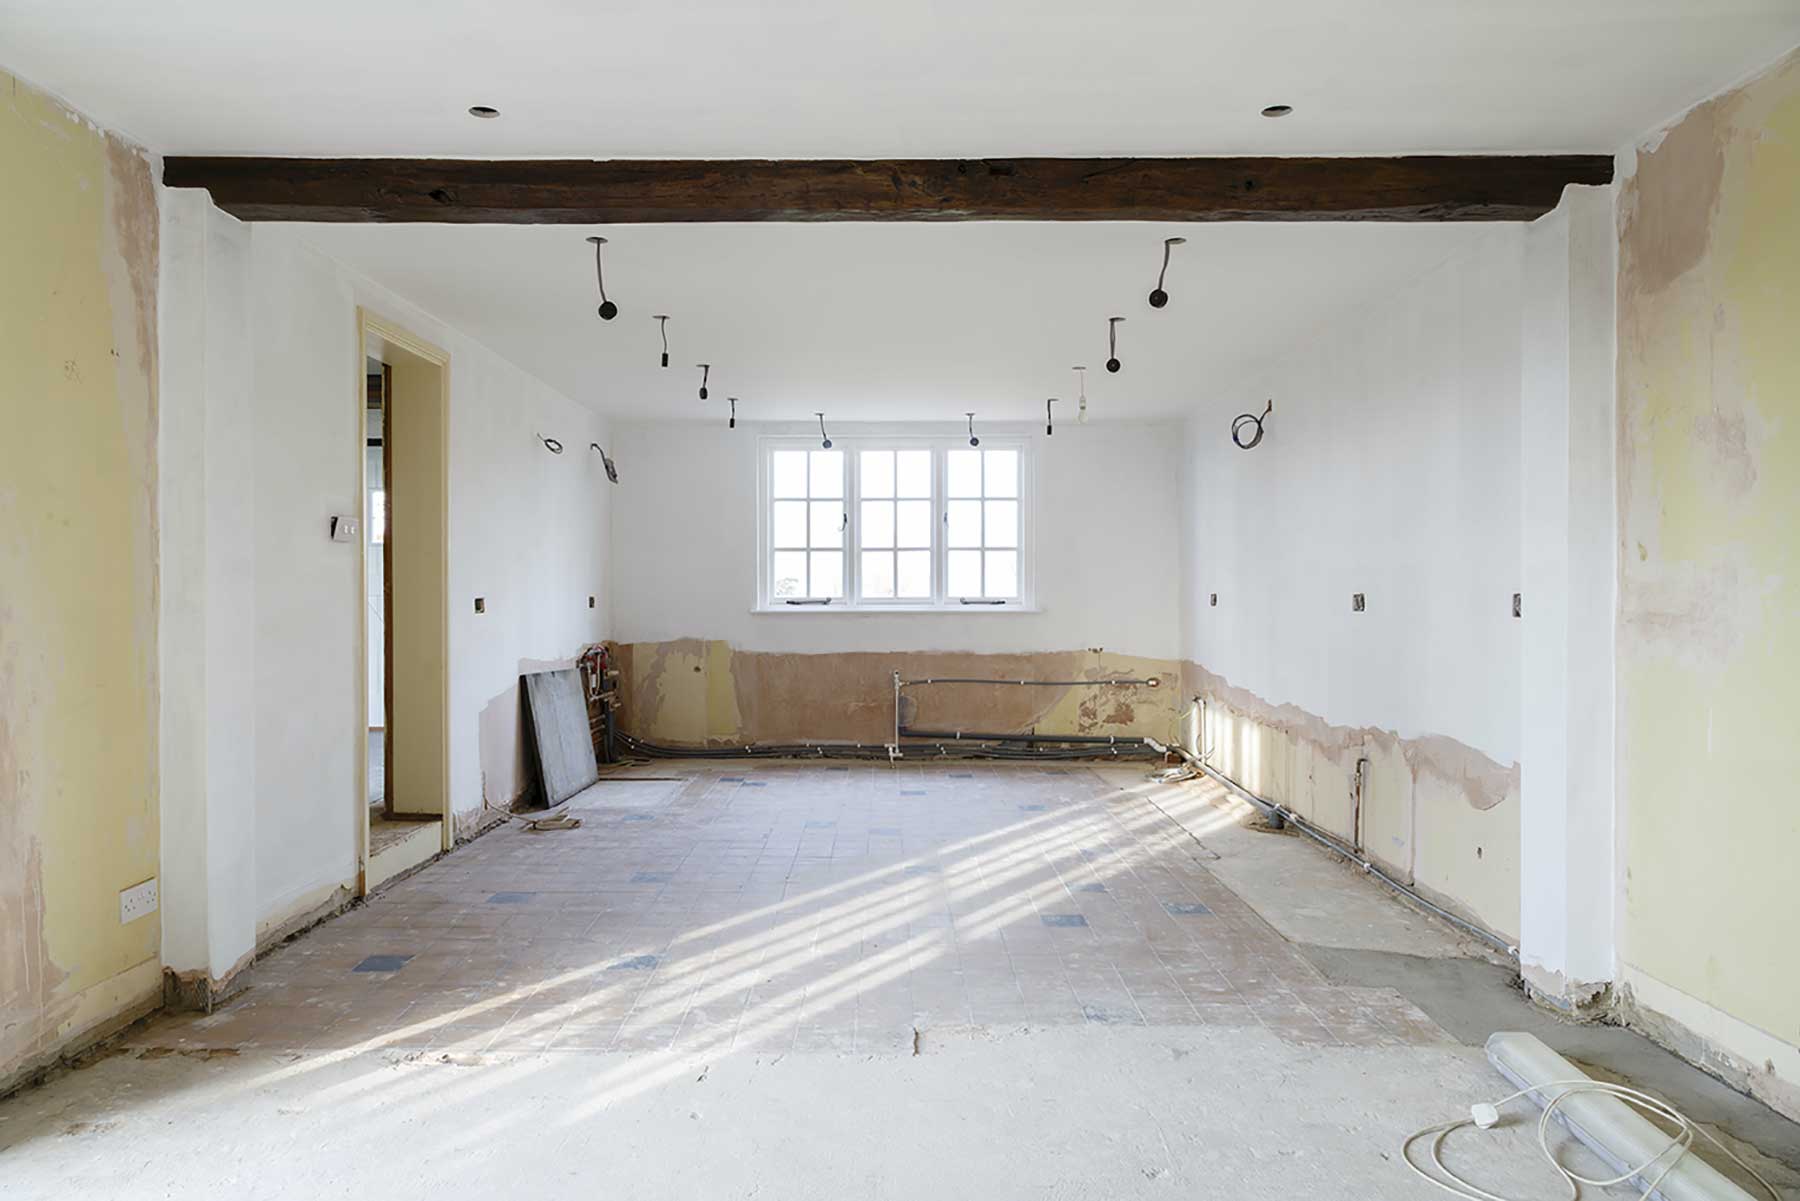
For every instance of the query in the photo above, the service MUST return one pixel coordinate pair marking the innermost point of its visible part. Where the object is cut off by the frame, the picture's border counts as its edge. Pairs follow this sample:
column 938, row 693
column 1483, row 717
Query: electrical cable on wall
column 705, row 374
column 1158, row 297
column 1112, row 344
column 612, row 472
column 662, row 323
column 608, row 310
column 1245, row 421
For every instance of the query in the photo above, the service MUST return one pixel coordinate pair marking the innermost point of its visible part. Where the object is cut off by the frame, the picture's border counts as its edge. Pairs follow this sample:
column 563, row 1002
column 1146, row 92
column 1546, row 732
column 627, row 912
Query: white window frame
column 852, row 601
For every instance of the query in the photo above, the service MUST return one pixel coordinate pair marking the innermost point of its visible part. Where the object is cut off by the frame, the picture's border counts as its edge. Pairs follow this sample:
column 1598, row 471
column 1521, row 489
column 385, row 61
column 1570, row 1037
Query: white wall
column 527, row 531
column 1390, row 467
column 685, row 544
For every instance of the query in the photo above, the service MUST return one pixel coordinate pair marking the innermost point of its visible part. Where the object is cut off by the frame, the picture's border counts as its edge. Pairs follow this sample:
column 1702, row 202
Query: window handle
column 969, row 601
column 824, row 601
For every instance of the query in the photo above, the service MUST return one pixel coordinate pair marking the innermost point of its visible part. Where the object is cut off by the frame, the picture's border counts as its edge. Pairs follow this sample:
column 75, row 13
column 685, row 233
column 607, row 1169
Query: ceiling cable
column 1158, row 297
column 662, row 321
column 705, row 371
column 612, row 472
column 608, row 310
column 550, row 444
column 1112, row 344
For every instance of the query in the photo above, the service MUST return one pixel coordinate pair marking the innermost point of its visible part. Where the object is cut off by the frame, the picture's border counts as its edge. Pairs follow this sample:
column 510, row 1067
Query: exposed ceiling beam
column 585, row 192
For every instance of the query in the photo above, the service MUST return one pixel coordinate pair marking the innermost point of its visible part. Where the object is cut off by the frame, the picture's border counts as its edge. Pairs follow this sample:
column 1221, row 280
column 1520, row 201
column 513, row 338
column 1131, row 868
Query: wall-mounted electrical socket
column 1518, row 605
column 1356, row 602
column 344, row 528
column 481, row 604
column 137, row 901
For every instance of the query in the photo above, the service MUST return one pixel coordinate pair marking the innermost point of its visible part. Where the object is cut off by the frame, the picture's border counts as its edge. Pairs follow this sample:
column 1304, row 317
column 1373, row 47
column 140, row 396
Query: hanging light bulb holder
column 1049, row 417
column 1081, row 387
column 824, row 438
column 732, row 424
column 1112, row 345
column 705, row 374
column 973, row 440
column 662, row 322
column 1159, row 297
column 608, row 310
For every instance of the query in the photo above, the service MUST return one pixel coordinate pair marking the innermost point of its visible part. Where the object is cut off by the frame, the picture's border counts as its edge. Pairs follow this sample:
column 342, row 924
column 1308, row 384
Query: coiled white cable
column 1678, row 1143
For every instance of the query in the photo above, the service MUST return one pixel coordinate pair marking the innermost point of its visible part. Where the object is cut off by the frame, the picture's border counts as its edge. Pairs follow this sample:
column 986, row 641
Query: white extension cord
column 1487, row 1114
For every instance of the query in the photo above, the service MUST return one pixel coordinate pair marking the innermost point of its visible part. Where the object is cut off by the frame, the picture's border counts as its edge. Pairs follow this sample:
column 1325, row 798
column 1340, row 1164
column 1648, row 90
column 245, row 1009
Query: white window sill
column 880, row 610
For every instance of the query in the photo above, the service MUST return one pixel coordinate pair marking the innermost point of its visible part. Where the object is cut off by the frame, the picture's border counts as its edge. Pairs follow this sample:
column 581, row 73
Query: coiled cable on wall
column 1246, row 421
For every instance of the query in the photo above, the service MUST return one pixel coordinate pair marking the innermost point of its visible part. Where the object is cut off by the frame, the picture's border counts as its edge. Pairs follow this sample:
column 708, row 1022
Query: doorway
column 403, row 402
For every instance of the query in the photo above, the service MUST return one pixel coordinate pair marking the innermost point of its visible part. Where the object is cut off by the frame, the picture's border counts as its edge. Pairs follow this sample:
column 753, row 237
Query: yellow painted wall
column 78, row 703
column 1709, row 641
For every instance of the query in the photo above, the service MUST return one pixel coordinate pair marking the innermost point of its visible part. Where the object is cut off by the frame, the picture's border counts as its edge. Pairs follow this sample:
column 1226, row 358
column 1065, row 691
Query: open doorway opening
column 404, row 404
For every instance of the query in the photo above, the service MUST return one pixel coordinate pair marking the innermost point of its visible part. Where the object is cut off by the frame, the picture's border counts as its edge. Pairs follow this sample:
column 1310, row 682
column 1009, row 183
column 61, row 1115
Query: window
column 981, row 525
column 894, row 534
column 808, row 519
column 894, row 523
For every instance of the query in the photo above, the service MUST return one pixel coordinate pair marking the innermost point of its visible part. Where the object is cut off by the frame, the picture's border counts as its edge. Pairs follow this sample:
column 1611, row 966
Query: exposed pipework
column 1281, row 815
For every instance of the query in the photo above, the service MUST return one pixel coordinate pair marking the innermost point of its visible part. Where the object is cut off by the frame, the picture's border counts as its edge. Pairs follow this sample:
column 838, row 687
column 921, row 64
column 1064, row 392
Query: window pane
column 1002, row 473
column 878, row 574
column 828, row 523
column 964, row 473
column 1002, row 523
column 914, row 526
column 877, row 473
column 789, row 577
column 827, row 473
column 1003, row 573
column 914, row 475
column 914, row 580
column 964, row 524
column 790, row 523
column 964, row 573
column 790, row 473
column 877, row 523
column 828, row 573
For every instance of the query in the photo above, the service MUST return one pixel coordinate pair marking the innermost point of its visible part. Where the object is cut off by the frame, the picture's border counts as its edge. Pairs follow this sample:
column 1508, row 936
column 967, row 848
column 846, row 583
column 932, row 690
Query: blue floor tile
column 382, row 963
column 1187, row 908
column 1063, row 920
column 510, row 898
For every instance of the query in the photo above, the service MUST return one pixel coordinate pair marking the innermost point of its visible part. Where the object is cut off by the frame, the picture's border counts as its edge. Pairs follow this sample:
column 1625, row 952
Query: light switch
column 344, row 528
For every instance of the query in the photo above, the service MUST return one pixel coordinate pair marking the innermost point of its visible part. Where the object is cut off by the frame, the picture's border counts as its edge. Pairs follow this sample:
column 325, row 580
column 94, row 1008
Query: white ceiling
column 929, row 78
column 891, row 322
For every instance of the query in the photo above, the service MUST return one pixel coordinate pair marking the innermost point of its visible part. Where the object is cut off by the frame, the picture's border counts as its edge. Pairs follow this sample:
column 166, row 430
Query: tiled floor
column 805, row 907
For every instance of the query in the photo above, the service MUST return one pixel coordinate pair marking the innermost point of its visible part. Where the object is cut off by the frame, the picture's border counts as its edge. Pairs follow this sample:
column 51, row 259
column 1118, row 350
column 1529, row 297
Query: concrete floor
column 800, row 981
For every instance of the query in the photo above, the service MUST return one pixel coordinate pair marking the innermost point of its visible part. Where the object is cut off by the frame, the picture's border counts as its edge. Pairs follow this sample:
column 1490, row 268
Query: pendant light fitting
column 608, row 310
column 1158, row 297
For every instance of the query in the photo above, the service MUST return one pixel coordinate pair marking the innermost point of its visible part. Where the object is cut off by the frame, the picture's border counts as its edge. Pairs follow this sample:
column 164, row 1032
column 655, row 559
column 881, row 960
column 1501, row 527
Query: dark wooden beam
column 584, row 192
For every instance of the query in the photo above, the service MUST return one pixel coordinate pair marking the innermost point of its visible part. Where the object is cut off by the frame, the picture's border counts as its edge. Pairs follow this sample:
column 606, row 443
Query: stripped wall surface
column 78, row 678
column 691, row 692
column 1390, row 467
column 1709, row 630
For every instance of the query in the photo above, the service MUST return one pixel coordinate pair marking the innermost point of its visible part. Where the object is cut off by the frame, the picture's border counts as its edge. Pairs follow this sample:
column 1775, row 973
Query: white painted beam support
column 206, row 595
column 1569, row 586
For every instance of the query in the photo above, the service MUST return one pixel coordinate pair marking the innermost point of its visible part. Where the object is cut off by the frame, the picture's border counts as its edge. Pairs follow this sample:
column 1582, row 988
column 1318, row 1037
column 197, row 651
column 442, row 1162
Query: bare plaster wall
column 78, row 686
column 1709, row 547
column 703, row 666
column 527, row 534
column 1390, row 467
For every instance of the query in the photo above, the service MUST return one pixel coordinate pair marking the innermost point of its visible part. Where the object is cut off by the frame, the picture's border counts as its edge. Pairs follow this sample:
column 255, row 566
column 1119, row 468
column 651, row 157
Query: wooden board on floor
column 559, row 723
